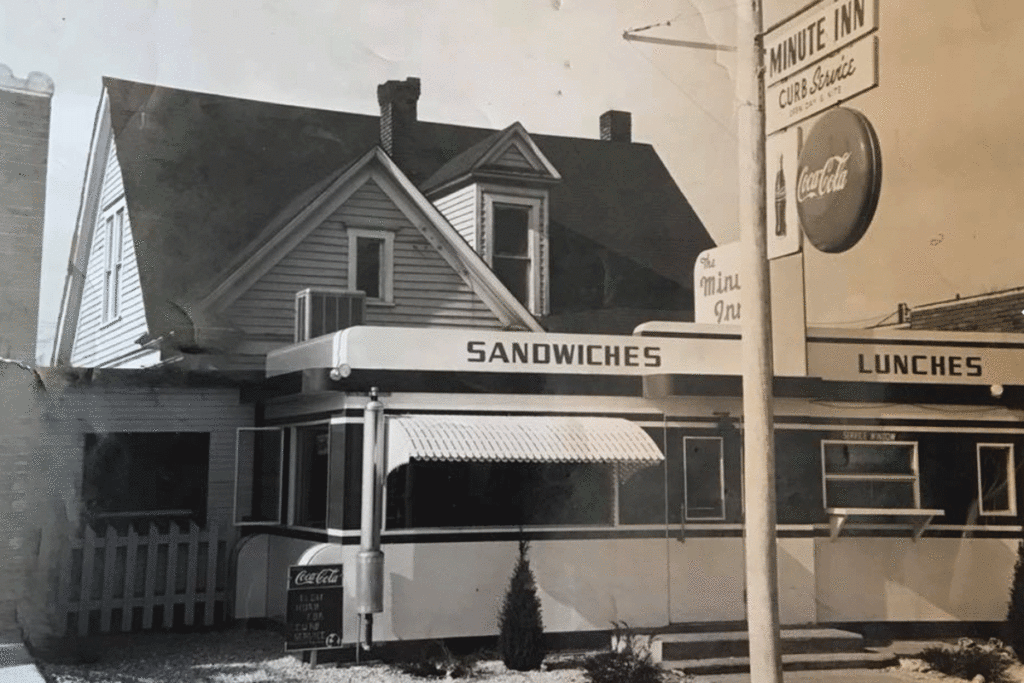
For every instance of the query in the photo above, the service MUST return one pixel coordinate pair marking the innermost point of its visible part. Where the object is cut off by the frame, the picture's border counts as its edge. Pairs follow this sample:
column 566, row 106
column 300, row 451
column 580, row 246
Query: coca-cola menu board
column 315, row 594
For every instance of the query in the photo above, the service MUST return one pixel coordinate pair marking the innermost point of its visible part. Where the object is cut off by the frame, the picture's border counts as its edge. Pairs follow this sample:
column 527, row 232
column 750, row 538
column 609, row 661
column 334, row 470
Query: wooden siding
column 514, row 158
column 79, row 410
column 99, row 343
column 427, row 292
column 460, row 208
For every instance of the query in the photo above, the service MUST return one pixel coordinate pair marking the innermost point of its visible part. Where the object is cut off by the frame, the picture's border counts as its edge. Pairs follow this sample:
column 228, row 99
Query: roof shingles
column 205, row 175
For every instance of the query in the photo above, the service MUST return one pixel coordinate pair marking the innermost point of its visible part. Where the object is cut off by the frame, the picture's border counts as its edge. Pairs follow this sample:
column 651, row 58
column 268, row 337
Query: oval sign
column 839, row 178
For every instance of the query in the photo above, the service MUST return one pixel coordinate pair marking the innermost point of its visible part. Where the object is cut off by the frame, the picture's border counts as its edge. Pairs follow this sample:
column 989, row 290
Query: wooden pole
column 758, row 373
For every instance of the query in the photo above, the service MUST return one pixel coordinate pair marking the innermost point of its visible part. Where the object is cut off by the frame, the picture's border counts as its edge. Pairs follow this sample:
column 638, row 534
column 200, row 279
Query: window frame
column 537, row 283
column 282, row 434
column 1011, row 483
column 387, row 265
column 90, row 441
column 721, row 479
column 115, row 219
column 914, row 477
column 292, row 501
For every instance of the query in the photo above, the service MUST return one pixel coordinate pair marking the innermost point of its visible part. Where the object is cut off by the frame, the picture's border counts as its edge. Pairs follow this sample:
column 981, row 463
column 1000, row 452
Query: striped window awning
column 545, row 439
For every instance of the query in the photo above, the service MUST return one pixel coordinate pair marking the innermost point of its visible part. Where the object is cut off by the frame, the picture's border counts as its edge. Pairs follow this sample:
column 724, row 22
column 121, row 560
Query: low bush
column 629, row 661
column 440, row 663
column 1015, row 610
column 968, row 659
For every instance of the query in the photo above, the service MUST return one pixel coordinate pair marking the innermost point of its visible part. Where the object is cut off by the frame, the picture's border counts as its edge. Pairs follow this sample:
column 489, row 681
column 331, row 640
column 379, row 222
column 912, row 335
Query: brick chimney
column 397, row 100
column 616, row 126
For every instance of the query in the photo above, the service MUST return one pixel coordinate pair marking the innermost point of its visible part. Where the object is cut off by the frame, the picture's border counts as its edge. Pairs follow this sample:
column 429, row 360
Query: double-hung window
column 516, row 241
column 114, row 227
column 371, row 257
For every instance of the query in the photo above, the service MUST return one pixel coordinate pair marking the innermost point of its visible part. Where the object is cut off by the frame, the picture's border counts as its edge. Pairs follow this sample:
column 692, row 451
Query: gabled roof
column 204, row 175
column 482, row 159
column 276, row 241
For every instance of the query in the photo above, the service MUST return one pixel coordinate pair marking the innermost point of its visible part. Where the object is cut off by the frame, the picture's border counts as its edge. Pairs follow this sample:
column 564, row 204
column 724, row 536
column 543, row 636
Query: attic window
column 114, row 219
column 371, row 264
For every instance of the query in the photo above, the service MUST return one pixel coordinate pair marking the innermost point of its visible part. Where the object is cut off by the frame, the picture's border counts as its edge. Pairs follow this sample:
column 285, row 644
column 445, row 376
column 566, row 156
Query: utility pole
column 756, row 327
column 758, row 370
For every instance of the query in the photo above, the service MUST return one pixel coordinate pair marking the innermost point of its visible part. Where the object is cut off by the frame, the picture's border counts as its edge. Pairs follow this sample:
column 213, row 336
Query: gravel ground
column 241, row 656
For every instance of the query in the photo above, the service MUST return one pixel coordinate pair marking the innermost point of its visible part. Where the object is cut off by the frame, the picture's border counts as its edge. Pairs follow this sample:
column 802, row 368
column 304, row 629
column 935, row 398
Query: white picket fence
column 118, row 576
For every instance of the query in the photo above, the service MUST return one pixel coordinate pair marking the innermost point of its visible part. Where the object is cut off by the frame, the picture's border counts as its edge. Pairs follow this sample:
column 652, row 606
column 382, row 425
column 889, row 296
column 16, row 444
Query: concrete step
column 725, row 644
column 790, row 662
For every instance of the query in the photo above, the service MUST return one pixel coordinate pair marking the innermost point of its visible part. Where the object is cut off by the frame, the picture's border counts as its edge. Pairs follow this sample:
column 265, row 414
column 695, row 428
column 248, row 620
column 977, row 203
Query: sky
column 947, row 108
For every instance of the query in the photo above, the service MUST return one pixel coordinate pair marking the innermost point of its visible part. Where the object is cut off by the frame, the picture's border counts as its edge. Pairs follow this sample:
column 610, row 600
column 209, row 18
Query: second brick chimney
column 397, row 100
column 616, row 126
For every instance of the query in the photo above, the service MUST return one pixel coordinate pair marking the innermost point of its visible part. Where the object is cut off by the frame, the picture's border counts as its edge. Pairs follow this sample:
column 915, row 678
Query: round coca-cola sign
column 839, row 177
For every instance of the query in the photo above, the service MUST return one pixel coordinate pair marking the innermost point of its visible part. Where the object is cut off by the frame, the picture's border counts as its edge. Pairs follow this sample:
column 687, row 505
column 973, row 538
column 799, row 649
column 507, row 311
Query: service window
column 865, row 474
column 704, row 478
column 996, row 483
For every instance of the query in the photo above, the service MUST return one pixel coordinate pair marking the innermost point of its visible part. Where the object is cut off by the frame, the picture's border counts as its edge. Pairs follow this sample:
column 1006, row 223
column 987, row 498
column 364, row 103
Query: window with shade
column 704, row 476
column 997, row 493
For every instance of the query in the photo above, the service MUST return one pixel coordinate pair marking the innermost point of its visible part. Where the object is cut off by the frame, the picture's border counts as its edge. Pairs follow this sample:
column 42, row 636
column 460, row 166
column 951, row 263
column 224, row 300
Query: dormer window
column 512, row 262
column 371, row 256
column 517, row 241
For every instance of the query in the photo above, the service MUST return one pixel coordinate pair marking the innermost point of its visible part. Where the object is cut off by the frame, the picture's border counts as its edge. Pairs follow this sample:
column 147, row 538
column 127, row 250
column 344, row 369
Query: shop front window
column 309, row 470
column 477, row 494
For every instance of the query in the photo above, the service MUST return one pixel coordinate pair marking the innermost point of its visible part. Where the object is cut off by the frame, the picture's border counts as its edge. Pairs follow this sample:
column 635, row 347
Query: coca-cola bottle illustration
column 780, row 201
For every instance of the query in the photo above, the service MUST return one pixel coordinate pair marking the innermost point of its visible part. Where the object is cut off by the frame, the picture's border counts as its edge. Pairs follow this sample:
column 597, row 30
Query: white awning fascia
column 543, row 439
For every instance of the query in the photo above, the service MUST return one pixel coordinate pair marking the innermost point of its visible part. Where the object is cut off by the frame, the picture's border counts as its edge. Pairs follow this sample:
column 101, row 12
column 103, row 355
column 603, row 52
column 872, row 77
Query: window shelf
column 871, row 477
column 918, row 518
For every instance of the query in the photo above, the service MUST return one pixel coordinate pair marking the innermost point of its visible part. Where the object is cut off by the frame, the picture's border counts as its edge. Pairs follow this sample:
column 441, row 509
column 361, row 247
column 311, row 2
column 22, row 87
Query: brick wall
column 997, row 312
column 20, row 482
column 24, row 143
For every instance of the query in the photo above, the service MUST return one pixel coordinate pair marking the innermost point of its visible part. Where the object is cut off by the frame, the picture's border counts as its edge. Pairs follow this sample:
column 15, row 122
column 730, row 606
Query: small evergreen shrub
column 629, row 661
column 521, row 629
column 1015, row 612
column 968, row 659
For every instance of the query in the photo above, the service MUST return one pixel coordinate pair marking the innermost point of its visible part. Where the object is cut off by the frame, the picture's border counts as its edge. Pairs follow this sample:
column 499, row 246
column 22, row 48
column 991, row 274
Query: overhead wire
column 728, row 5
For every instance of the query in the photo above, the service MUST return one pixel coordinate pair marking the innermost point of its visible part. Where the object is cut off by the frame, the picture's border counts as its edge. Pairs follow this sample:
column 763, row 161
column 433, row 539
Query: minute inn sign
column 819, row 58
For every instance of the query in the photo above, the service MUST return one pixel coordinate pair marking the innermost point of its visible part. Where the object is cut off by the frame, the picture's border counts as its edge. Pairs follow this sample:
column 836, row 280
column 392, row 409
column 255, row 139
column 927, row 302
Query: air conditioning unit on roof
column 323, row 311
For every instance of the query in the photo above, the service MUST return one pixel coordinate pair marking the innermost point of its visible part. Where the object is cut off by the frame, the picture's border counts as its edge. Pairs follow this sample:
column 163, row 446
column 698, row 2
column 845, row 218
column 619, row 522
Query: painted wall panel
column 462, row 211
column 455, row 589
column 897, row 579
